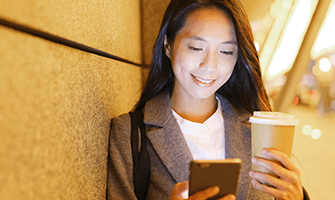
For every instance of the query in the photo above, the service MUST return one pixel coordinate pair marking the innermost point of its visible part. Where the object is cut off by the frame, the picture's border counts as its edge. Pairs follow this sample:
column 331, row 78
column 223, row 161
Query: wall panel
column 109, row 25
column 56, row 102
column 153, row 12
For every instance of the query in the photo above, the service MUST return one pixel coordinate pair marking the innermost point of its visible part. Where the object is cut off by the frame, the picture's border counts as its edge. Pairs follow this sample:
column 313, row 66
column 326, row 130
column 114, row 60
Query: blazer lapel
column 238, row 141
column 166, row 137
column 237, row 130
column 234, row 138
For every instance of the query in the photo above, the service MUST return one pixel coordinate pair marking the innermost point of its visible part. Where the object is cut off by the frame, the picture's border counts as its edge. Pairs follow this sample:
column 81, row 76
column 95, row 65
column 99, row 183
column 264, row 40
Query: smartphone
column 208, row 173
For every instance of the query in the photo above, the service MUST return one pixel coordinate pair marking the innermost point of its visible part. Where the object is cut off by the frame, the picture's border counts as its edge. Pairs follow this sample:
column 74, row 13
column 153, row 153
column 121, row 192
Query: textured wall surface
column 152, row 16
column 153, row 12
column 56, row 102
column 109, row 25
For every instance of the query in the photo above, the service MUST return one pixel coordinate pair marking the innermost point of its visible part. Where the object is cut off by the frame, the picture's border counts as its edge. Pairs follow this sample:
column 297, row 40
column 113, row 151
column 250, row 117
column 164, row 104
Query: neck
column 192, row 109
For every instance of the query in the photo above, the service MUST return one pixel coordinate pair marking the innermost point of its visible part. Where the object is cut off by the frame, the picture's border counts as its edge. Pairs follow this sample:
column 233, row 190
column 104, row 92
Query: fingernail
column 231, row 197
column 253, row 181
column 264, row 150
column 216, row 189
column 251, row 173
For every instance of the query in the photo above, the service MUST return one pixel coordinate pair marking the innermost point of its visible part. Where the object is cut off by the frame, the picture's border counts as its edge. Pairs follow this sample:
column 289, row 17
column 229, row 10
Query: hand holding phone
column 209, row 173
column 180, row 188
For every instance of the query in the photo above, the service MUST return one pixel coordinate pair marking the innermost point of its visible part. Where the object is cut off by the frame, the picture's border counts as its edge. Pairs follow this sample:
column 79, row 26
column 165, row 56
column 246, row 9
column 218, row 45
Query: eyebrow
column 203, row 40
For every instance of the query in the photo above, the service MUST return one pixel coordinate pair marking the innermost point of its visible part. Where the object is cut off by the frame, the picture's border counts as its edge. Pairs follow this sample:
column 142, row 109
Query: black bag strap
column 141, row 162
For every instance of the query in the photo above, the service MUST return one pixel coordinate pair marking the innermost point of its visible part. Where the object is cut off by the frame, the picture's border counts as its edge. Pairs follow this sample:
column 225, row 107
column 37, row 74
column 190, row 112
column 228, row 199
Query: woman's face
column 203, row 54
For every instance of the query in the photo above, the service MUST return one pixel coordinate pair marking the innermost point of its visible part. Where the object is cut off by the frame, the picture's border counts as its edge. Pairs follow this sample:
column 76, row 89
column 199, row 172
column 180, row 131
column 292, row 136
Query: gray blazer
column 169, row 153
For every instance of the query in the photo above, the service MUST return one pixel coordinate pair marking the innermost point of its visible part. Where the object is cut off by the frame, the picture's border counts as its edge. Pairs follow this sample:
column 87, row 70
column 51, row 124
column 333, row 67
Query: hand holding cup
column 273, row 171
column 271, row 130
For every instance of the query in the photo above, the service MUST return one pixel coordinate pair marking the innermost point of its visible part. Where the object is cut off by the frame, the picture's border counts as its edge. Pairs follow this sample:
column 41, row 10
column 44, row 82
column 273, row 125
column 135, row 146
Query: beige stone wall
column 153, row 12
column 152, row 15
column 56, row 102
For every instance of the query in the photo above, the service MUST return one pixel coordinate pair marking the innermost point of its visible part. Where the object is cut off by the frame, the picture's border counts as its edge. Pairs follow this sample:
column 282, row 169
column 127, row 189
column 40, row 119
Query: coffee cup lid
column 273, row 118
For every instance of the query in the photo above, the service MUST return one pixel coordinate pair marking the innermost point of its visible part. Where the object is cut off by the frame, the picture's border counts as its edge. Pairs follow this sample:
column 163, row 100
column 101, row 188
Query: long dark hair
column 243, row 89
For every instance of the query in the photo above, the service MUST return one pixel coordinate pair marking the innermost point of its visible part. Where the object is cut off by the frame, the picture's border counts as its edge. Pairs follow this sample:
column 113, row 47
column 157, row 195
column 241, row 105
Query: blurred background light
column 275, row 9
column 332, row 58
column 302, row 85
column 316, row 134
column 307, row 130
column 286, row 4
column 316, row 70
column 296, row 101
column 291, row 39
column 280, row 14
column 325, row 40
column 324, row 71
column 256, row 45
column 325, row 64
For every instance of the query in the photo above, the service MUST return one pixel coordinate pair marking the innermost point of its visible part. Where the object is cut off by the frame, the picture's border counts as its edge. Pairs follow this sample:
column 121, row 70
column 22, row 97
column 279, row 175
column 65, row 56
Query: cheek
column 227, row 73
column 232, row 64
column 227, row 67
column 183, row 63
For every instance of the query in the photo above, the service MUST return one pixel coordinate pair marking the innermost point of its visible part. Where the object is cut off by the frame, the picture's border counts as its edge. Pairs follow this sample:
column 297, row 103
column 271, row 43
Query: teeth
column 203, row 80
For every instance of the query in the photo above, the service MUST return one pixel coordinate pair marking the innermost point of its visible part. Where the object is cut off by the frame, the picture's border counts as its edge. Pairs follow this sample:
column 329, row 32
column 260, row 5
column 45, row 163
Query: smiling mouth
column 202, row 81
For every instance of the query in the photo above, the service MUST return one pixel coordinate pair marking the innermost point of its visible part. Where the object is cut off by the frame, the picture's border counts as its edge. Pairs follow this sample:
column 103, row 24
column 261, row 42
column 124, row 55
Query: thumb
column 229, row 197
column 178, row 189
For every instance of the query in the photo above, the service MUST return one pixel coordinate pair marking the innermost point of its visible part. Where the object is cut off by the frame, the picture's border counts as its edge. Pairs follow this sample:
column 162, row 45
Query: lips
column 203, row 82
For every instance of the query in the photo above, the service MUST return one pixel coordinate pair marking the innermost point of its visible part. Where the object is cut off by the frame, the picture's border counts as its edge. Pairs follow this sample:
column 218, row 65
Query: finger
column 269, row 190
column 228, row 197
column 289, row 177
column 269, row 180
column 286, row 162
column 281, row 157
column 181, row 187
column 205, row 194
column 271, row 165
column 178, row 189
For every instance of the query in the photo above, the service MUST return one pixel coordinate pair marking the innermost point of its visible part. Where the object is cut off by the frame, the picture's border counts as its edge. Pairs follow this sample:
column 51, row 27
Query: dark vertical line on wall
column 145, row 66
column 142, row 39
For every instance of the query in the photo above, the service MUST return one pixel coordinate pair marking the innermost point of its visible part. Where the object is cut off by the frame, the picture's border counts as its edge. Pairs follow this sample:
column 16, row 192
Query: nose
column 209, row 62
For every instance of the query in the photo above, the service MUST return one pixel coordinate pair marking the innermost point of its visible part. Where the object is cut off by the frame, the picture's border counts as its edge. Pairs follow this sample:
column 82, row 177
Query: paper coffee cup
column 271, row 130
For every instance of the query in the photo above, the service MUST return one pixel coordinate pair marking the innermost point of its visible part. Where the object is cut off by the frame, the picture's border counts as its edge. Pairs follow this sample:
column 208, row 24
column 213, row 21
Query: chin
column 204, row 94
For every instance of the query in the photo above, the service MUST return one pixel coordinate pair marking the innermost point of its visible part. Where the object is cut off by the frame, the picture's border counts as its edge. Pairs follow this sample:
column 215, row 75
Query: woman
column 205, row 73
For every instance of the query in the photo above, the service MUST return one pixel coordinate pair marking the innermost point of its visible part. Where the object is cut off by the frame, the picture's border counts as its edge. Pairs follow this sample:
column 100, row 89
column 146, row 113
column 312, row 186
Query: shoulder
column 157, row 111
column 120, row 141
column 121, row 121
column 230, row 110
column 120, row 163
column 120, row 127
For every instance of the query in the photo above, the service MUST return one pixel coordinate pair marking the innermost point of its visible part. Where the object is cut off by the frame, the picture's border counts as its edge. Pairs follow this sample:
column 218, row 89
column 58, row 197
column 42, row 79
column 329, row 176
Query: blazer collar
column 167, row 140
column 158, row 111
column 239, row 113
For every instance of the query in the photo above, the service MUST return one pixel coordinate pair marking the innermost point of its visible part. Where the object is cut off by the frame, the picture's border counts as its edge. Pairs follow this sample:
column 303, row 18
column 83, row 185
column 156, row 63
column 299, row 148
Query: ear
column 167, row 47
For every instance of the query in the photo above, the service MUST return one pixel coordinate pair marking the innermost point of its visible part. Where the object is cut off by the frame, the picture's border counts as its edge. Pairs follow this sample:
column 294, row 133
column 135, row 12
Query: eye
column 227, row 52
column 194, row 48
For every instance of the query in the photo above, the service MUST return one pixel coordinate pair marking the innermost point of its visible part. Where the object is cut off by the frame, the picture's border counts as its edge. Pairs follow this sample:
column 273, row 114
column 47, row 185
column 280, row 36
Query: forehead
column 212, row 22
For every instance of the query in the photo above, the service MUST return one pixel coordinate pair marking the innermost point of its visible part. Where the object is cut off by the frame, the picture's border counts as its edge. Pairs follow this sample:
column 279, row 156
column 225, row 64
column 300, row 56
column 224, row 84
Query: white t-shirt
column 205, row 140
